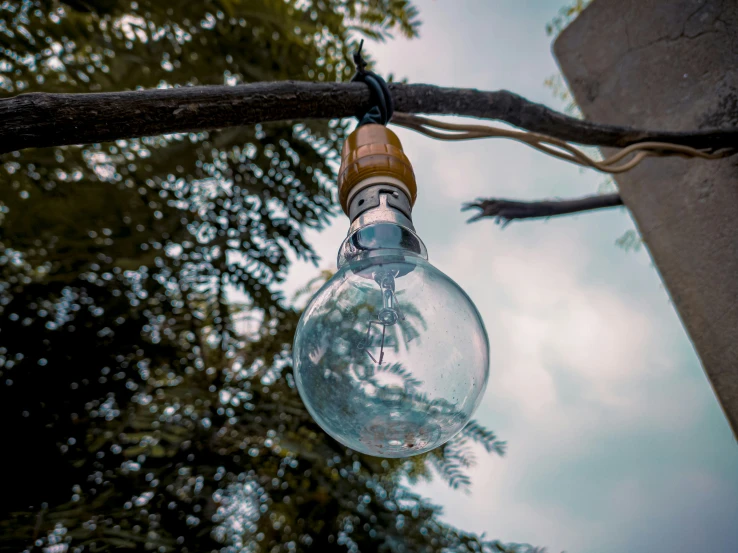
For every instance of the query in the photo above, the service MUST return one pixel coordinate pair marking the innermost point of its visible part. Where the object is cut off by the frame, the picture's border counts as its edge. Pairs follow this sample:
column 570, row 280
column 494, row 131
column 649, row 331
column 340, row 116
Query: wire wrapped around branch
column 621, row 161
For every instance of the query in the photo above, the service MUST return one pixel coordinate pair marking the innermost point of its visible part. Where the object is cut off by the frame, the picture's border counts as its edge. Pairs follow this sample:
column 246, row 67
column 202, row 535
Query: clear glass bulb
column 391, row 356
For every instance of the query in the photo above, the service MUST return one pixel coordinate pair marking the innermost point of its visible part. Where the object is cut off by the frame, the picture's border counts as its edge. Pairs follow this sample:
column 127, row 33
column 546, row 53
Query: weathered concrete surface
column 673, row 64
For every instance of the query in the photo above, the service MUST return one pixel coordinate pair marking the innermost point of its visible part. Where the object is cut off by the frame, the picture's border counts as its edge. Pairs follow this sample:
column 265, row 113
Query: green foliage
column 142, row 408
column 561, row 92
column 556, row 82
column 565, row 16
column 630, row 241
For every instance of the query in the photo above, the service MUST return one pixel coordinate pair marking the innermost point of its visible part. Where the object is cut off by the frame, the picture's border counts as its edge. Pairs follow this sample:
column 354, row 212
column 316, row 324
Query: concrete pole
column 673, row 64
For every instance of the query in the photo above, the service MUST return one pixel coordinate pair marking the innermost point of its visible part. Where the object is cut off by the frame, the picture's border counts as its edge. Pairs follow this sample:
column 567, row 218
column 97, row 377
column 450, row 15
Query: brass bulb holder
column 373, row 155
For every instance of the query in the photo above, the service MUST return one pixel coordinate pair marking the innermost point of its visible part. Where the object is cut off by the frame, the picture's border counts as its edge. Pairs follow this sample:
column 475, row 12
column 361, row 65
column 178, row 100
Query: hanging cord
column 554, row 146
column 383, row 107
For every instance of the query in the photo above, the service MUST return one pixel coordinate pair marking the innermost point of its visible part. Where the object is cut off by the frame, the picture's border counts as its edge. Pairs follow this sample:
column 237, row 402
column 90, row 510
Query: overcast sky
column 616, row 442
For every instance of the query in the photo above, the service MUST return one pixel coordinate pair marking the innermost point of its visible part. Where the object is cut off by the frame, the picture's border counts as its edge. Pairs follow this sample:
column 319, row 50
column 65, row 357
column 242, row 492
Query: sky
column 615, row 439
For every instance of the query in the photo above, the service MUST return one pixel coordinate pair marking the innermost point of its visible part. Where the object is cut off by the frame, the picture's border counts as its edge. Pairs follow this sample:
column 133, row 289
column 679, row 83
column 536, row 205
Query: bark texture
column 505, row 211
column 45, row 119
column 672, row 64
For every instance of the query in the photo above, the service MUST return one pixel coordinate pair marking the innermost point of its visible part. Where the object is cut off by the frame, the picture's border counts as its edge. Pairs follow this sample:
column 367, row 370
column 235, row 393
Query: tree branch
column 505, row 211
column 48, row 119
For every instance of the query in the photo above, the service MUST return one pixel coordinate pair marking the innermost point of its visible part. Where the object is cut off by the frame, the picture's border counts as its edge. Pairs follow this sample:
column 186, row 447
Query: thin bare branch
column 47, row 119
column 505, row 211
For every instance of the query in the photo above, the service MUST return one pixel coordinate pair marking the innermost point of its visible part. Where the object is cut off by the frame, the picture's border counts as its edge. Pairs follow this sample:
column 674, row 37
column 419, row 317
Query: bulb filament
column 387, row 316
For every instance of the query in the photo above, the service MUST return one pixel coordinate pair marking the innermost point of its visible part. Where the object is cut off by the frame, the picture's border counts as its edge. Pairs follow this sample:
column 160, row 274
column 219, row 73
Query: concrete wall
column 673, row 64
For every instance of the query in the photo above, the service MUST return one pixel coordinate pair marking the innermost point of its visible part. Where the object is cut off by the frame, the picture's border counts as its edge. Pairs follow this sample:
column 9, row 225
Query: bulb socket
column 372, row 155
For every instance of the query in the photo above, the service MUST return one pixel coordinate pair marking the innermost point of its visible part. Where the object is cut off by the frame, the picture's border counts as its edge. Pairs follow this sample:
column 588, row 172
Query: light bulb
column 390, row 356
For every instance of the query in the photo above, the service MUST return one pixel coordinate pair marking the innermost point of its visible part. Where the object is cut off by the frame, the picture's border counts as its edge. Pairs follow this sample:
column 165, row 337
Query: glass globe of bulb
column 391, row 357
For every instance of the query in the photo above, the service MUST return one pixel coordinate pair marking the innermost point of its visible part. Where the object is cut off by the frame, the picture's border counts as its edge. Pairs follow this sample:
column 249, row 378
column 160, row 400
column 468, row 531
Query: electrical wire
column 382, row 105
column 561, row 149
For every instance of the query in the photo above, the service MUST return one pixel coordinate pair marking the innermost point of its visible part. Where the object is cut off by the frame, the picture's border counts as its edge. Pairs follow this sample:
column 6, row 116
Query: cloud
column 615, row 440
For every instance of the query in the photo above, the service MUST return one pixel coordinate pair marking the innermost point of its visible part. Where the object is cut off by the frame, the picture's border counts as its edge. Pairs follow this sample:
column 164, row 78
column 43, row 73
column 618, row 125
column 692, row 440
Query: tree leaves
column 565, row 16
column 146, row 387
